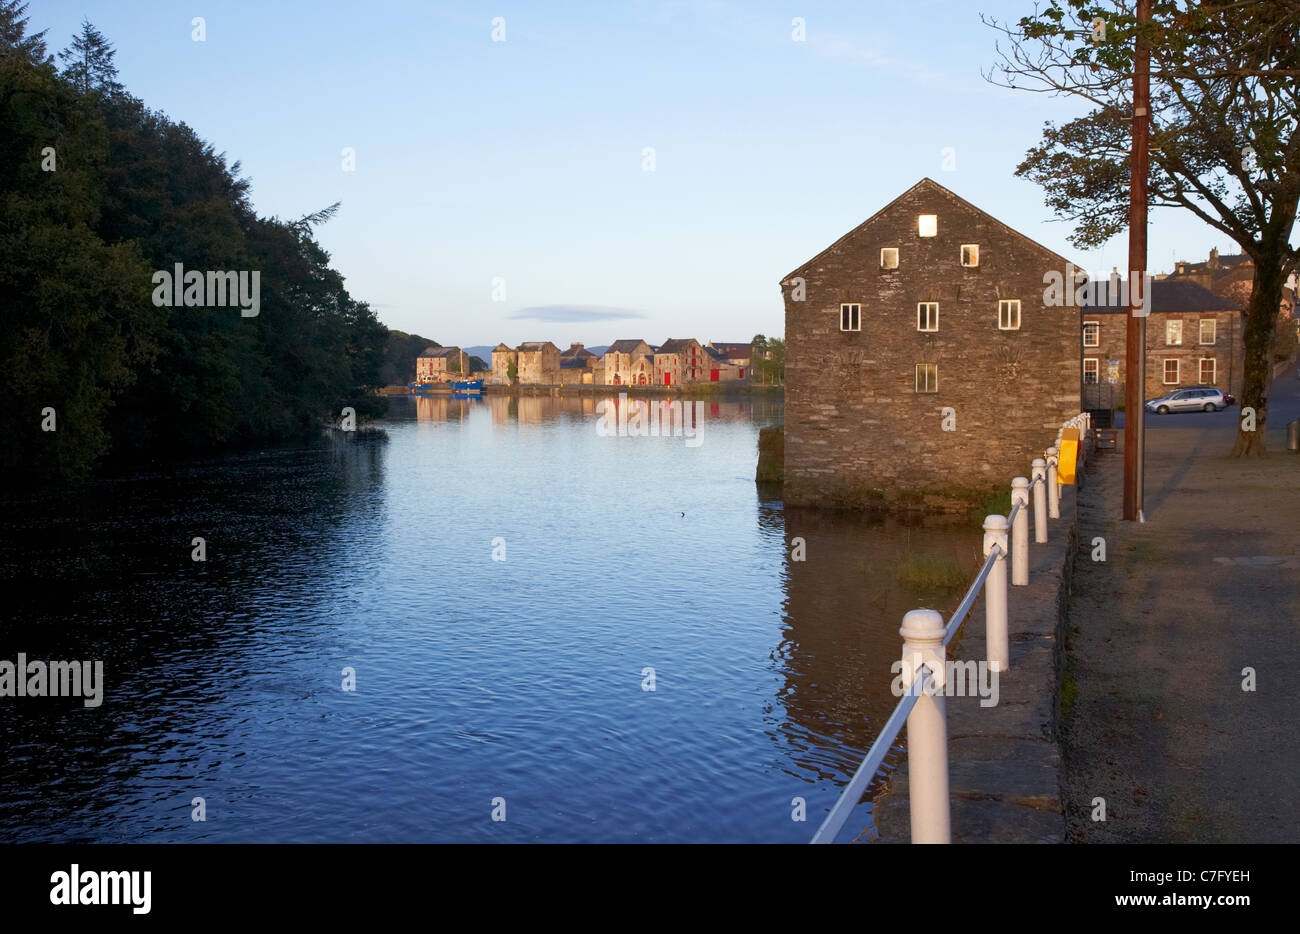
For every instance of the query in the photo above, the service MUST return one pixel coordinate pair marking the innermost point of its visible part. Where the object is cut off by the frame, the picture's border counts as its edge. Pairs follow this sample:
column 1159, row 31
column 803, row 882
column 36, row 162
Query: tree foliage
column 96, row 193
column 1225, row 131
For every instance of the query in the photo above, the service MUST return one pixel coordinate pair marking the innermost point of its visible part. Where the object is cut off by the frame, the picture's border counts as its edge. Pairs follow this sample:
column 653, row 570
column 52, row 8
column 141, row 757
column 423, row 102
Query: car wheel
column 1210, row 407
column 1162, row 409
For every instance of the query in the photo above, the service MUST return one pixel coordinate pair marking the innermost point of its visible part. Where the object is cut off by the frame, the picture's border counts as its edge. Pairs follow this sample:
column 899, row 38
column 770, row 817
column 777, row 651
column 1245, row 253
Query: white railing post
column 1053, row 484
column 995, row 594
column 1020, row 533
column 927, row 733
column 1038, row 470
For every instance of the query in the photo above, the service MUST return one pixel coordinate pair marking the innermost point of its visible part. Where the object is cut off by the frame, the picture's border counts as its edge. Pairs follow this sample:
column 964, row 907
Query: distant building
column 629, row 363
column 502, row 357
column 539, row 363
column 679, row 361
column 923, row 362
column 722, row 370
column 741, row 355
column 1193, row 339
column 440, row 364
column 1232, row 276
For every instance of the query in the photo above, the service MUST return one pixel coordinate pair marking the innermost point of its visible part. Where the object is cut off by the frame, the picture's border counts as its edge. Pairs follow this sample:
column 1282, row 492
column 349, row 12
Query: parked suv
column 1191, row 399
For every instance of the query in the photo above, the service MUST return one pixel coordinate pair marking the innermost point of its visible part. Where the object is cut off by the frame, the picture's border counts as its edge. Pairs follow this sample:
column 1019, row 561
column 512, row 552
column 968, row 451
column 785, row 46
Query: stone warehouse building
column 502, row 357
column 439, row 364
column 1193, row 339
column 629, row 363
column 929, row 315
column 539, row 363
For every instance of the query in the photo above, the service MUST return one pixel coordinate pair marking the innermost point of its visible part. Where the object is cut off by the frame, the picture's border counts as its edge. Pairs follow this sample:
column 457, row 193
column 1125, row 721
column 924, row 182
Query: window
column 1207, row 330
column 1091, row 371
column 1173, row 332
column 927, row 316
column 970, row 254
column 1092, row 334
column 927, row 377
column 850, row 317
column 1171, row 372
column 927, row 225
column 1009, row 314
column 889, row 257
column 1208, row 371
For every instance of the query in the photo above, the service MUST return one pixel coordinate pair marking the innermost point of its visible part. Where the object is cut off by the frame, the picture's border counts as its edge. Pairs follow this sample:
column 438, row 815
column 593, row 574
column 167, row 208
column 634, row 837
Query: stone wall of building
column 857, row 430
column 1226, row 351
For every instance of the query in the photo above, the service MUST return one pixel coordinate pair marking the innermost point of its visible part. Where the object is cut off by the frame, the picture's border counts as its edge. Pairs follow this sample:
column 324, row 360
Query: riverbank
column 1182, row 648
column 1004, row 762
column 735, row 389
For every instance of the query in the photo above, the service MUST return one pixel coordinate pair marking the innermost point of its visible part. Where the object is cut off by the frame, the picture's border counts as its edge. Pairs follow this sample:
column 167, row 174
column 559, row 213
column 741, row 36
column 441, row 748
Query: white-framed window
column 927, row 316
column 1091, row 371
column 927, row 377
column 850, row 317
column 1209, row 370
column 970, row 254
column 1009, row 314
column 1173, row 333
column 927, row 225
column 1208, row 330
column 889, row 257
column 1171, row 372
column 1092, row 333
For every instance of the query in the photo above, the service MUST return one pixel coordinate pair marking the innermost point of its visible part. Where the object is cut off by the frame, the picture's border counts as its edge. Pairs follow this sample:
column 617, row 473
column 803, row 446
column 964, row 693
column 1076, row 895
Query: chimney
column 575, row 346
column 1214, row 258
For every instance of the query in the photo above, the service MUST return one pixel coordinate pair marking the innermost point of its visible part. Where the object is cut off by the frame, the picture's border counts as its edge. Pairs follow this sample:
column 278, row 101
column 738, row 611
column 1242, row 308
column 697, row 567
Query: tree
column 512, row 371
column 774, row 362
column 13, row 34
column 90, row 62
column 759, row 350
column 1225, row 133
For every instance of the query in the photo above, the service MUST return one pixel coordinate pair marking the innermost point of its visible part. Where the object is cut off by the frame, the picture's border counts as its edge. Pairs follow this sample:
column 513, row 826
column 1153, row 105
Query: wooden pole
column 1135, row 335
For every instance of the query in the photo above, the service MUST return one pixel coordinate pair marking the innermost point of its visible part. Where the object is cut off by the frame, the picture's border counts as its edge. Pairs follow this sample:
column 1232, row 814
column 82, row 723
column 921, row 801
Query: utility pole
column 1135, row 346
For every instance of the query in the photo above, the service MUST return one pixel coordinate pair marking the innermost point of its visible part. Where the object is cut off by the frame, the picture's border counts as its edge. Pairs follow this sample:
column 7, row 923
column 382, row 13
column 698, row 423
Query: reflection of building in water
column 670, row 414
column 845, row 603
column 443, row 408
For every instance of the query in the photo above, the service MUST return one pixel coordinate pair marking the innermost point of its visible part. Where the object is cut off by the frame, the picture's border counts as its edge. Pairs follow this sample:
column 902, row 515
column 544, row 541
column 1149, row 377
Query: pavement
column 1182, row 647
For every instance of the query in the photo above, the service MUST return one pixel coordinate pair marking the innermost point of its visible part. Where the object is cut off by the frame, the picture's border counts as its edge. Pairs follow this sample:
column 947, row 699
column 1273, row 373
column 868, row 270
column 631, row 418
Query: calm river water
column 523, row 679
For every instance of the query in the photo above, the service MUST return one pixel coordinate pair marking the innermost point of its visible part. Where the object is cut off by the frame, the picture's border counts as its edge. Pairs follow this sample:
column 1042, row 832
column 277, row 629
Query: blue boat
column 468, row 385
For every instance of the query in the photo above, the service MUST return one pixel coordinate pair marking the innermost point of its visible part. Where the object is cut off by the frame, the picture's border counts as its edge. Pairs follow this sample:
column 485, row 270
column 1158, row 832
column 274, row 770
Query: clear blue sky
column 523, row 159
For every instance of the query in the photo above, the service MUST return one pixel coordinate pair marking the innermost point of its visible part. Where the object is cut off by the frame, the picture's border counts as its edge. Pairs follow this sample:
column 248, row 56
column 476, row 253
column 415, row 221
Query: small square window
column 889, row 257
column 1171, row 373
column 970, row 254
column 1173, row 332
column 927, row 316
column 927, row 377
column 1208, row 330
column 927, row 225
column 1209, row 369
column 850, row 317
column 1092, row 334
column 1091, row 371
column 1009, row 314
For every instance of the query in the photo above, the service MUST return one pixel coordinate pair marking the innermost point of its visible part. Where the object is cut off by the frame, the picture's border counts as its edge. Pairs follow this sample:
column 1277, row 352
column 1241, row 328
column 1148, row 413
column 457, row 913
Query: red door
column 713, row 376
column 668, row 379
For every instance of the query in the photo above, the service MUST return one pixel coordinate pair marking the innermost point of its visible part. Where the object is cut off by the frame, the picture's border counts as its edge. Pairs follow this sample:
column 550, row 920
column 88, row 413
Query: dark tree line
column 97, row 192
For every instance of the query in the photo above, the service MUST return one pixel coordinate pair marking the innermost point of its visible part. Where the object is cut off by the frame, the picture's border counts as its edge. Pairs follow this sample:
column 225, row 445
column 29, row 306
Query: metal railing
column 925, row 640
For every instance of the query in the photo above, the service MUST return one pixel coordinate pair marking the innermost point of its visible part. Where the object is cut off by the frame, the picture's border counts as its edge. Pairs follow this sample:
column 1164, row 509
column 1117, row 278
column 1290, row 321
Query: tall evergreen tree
column 89, row 62
column 13, row 33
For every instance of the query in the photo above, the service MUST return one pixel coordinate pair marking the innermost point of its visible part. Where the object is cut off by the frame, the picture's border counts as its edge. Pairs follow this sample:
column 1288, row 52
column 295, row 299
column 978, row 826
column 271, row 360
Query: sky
column 608, row 170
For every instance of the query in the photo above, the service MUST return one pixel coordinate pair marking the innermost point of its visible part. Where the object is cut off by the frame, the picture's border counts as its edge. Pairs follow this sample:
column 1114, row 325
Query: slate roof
column 731, row 349
column 441, row 352
column 675, row 346
column 533, row 346
column 1168, row 296
column 624, row 346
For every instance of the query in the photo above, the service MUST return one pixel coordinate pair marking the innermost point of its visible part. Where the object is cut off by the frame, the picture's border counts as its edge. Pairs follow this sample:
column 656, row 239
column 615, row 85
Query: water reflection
column 477, row 676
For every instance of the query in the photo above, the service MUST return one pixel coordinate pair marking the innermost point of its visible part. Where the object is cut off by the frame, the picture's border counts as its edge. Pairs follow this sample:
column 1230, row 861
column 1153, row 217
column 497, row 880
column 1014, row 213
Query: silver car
column 1194, row 399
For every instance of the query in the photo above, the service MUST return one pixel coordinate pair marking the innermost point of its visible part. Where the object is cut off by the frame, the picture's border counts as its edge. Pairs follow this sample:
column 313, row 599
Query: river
column 505, row 580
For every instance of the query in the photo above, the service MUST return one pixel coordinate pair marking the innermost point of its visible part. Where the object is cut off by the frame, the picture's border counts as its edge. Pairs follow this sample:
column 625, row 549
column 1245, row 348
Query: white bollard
column 1053, row 484
column 1039, row 472
column 995, row 594
column 927, row 733
column 1020, row 533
